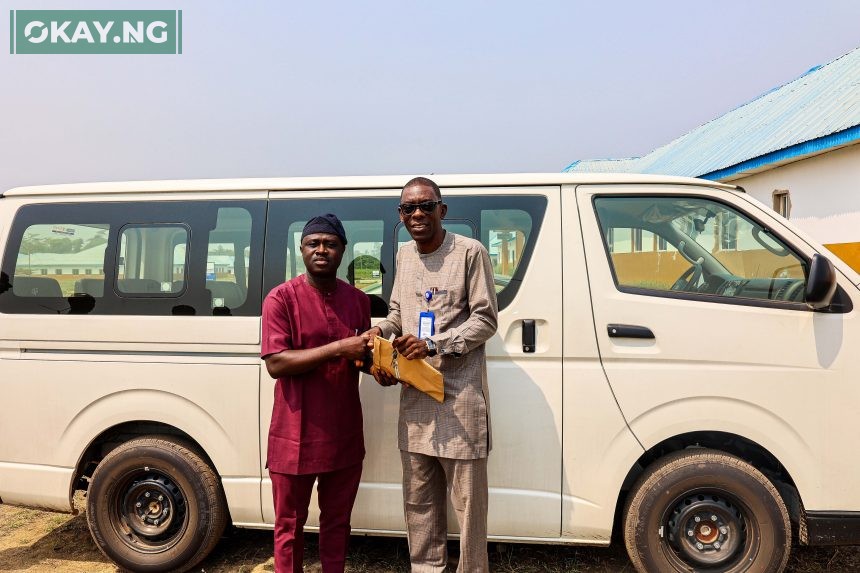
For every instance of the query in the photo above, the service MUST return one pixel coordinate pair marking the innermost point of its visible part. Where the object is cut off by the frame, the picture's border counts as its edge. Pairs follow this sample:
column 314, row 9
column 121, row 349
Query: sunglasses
column 409, row 208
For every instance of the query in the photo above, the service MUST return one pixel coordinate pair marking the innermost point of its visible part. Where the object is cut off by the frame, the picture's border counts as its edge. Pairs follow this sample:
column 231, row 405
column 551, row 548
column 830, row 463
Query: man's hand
column 371, row 332
column 410, row 346
column 354, row 347
column 382, row 377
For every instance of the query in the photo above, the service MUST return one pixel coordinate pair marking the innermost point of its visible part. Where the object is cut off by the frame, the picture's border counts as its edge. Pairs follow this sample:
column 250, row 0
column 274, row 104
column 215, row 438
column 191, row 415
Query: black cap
column 328, row 223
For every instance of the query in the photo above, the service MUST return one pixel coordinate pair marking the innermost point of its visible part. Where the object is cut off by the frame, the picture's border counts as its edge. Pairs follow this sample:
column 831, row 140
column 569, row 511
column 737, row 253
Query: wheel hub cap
column 706, row 530
column 150, row 505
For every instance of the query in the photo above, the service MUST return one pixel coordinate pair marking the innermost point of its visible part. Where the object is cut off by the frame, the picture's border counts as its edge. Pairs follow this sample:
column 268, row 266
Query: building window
column 782, row 202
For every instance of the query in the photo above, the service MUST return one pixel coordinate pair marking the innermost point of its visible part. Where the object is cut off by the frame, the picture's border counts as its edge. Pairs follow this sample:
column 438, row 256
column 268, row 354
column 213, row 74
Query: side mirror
column 821, row 283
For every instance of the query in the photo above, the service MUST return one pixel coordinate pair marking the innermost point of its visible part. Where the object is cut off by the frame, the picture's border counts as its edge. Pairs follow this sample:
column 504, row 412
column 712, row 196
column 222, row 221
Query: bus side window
column 228, row 258
column 368, row 223
column 151, row 260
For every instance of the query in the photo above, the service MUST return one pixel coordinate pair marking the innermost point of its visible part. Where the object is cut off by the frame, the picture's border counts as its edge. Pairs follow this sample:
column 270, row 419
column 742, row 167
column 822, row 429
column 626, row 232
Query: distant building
column 795, row 148
column 83, row 263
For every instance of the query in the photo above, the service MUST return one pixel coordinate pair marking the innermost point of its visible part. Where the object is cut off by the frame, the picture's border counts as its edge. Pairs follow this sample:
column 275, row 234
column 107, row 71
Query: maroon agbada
column 316, row 428
column 316, row 419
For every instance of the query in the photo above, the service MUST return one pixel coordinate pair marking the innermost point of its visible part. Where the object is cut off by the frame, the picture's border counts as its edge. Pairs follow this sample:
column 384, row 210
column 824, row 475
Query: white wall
column 825, row 193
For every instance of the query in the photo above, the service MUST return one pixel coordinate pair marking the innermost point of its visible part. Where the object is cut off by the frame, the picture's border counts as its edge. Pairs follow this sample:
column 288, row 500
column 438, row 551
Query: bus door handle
column 629, row 331
column 528, row 335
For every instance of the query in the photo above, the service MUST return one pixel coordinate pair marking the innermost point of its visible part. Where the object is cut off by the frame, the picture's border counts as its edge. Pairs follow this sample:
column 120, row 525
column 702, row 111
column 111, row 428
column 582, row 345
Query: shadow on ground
column 67, row 545
column 42, row 542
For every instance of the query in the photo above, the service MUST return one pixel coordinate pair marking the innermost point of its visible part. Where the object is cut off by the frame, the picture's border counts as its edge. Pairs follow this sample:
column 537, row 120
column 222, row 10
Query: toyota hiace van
column 673, row 362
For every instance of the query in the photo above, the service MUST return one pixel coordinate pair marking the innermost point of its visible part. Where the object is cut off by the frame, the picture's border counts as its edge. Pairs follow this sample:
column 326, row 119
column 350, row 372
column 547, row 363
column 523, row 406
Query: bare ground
column 36, row 541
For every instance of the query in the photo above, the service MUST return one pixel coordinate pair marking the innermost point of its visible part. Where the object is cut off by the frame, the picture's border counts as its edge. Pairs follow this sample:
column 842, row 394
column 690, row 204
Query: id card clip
column 426, row 319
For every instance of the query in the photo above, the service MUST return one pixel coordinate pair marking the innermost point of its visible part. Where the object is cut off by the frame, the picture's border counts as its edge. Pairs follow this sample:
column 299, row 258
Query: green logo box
column 95, row 31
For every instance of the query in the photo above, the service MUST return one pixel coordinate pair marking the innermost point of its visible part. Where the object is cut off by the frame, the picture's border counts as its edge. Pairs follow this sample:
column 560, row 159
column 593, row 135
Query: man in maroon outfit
column 310, row 345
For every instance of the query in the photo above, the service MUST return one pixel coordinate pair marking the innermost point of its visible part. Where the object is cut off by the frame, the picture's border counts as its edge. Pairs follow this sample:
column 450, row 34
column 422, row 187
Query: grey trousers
column 426, row 480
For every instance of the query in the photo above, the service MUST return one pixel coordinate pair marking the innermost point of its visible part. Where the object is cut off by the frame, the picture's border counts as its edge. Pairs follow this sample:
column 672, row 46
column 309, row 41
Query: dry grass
column 42, row 542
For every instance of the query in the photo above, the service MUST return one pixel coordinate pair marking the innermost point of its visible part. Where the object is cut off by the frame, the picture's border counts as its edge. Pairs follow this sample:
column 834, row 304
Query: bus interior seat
column 139, row 286
column 93, row 287
column 378, row 306
column 23, row 285
column 232, row 294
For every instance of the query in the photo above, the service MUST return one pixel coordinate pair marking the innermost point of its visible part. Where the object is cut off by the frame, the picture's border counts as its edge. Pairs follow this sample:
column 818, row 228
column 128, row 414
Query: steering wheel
column 795, row 291
column 688, row 279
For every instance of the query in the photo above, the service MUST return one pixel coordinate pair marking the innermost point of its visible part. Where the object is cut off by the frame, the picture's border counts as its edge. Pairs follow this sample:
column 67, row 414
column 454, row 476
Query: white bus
column 673, row 362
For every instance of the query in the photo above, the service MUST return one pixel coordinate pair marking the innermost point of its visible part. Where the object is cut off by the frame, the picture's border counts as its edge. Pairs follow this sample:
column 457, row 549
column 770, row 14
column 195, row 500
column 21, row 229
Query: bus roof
column 356, row 183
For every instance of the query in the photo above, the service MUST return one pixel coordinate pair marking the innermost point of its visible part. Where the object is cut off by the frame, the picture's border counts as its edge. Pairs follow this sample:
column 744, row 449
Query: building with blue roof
column 794, row 148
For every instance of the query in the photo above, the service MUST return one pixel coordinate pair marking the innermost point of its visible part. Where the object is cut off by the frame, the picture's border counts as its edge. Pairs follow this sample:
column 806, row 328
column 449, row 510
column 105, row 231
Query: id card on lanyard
column 426, row 319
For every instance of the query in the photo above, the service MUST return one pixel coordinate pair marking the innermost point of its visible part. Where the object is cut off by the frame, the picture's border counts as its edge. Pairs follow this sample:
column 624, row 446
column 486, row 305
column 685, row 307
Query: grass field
column 43, row 542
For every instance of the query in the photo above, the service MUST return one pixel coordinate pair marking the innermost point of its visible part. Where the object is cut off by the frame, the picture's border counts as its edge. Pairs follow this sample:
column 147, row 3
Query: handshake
column 385, row 361
column 407, row 346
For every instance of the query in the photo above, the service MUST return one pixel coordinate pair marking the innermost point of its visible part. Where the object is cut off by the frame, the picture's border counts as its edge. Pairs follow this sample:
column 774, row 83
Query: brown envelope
column 416, row 373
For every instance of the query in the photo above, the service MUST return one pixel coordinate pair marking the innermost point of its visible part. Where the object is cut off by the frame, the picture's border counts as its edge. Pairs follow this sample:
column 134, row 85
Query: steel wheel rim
column 148, row 510
column 725, row 537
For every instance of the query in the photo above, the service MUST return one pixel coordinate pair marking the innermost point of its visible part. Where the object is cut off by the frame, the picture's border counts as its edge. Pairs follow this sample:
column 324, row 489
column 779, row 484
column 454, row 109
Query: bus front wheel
column 705, row 510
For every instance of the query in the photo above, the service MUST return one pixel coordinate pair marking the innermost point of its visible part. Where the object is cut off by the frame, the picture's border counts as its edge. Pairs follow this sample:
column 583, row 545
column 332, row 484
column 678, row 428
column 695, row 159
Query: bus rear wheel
column 155, row 505
column 705, row 510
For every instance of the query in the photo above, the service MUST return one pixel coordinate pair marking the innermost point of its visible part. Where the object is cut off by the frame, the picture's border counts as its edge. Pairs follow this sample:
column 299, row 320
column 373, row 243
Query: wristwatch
column 431, row 347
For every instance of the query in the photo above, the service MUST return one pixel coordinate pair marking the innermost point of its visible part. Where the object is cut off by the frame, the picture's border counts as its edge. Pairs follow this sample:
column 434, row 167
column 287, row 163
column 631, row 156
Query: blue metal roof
column 819, row 110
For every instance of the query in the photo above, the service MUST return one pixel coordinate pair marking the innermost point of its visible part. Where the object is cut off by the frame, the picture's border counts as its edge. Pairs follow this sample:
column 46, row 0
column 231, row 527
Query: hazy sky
column 401, row 86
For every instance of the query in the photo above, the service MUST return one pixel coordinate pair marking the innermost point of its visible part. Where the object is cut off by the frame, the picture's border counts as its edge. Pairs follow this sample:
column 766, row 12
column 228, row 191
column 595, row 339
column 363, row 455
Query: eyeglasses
column 426, row 206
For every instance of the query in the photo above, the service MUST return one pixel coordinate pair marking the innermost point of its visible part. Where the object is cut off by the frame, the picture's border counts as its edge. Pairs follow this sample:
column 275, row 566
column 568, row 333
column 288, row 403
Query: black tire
column 155, row 505
column 704, row 510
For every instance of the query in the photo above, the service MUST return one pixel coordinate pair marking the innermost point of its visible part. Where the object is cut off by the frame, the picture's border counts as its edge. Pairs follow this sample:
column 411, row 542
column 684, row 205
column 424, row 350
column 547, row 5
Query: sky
column 284, row 88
